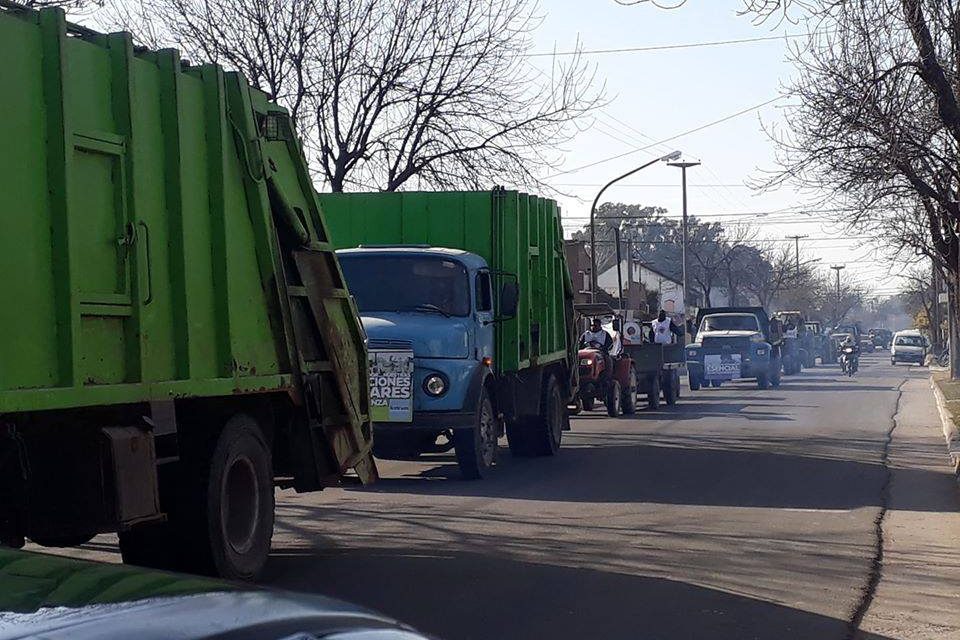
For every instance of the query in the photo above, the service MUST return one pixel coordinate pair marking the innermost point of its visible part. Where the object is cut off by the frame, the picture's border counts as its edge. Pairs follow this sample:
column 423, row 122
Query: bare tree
column 876, row 123
column 389, row 95
column 710, row 251
column 920, row 296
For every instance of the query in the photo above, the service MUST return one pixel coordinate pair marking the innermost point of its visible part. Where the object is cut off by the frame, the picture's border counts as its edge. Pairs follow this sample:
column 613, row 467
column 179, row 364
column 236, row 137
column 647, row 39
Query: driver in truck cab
column 595, row 335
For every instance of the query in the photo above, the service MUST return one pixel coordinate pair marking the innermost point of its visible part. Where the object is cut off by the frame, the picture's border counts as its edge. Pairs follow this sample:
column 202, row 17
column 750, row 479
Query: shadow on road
column 691, row 472
column 459, row 595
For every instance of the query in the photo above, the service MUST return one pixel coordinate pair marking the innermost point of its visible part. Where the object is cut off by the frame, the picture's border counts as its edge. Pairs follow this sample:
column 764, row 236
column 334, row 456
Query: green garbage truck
column 468, row 308
column 177, row 339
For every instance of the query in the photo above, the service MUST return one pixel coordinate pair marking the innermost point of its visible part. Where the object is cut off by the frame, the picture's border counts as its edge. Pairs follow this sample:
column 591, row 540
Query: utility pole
column 838, row 269
column 796, row 241
column 616, row 235
column 684, row 165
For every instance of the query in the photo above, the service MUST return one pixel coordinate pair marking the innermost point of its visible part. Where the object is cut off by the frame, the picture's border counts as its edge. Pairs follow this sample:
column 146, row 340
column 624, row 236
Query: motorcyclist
column 850, row 342
column 595, row 336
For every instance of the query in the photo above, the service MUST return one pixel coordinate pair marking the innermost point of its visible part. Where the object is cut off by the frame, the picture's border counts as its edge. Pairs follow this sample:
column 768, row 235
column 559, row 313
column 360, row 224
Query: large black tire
column 763, row 381
column 222, row 521
column 628, row 401
column 613, row 399
column 671, row 388
column 654, row 391
column 542, row 435
column 476, row 448
column 588, row 403
column 775, row 377
column 694, row 381
column 716, row 384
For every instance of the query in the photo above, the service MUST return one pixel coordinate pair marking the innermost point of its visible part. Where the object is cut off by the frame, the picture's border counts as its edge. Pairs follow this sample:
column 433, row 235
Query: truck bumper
column 429, row 421
column 748, row 370
column 399, row 440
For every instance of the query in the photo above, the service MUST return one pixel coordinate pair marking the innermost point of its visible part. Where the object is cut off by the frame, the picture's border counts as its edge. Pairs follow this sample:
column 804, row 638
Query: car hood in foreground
column 56, row 598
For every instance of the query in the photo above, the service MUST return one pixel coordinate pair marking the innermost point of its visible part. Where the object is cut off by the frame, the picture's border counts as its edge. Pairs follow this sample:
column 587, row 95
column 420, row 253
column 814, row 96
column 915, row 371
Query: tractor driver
column 596, row 337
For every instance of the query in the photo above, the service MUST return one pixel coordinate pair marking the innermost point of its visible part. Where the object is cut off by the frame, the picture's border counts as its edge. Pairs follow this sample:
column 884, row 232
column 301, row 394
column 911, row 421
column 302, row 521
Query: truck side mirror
column 509, row 300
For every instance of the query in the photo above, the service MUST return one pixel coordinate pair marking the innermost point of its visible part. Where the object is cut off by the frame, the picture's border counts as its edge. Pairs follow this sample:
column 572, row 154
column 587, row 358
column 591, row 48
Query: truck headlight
column 434, row 385
column 585, row 362
column 761, row 352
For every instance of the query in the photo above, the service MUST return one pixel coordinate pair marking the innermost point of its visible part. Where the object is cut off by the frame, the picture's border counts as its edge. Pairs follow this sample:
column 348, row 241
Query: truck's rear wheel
column 541, row 435
column 693, row 380
column 476, row 448
column 775, row 377
column 588, row 402
column 653, row 391
column 671, row 387
column 222, row 521
column 629, row 400
column 763, row 381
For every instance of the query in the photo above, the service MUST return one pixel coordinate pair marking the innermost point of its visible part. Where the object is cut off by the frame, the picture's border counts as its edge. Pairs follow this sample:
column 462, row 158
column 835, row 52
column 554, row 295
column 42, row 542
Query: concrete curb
column 950, row 430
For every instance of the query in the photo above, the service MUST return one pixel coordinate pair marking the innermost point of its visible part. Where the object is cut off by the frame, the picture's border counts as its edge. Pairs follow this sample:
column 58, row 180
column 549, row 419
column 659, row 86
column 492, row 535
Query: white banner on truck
column 723, row 366
column 391, row 386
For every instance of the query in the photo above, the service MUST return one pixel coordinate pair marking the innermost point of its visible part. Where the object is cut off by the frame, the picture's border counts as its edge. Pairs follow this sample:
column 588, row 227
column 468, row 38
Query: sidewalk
column 918, row 597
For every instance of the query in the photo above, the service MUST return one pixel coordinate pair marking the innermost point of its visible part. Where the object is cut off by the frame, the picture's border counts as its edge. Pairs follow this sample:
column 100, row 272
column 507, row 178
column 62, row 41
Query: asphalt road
column 739, row 513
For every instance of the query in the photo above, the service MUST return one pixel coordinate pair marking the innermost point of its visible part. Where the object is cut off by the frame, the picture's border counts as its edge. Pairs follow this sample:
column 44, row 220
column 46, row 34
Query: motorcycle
column 849, row 363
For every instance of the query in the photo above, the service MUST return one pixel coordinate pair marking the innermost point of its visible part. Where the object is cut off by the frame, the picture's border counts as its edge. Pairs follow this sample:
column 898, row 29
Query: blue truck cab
column 733, row 343
column 433, row 308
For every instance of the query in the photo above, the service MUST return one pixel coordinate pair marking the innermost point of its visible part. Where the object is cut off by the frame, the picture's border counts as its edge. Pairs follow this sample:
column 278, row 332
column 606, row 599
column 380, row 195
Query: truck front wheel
column 476, row 448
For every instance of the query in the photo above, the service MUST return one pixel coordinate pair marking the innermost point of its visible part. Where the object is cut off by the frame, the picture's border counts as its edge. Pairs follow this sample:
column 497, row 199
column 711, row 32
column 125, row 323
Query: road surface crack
column 876, row 564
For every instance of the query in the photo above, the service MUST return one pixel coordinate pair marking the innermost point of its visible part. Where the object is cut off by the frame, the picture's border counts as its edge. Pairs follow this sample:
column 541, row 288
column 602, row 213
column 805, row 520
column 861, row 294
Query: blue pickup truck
column 734, row 343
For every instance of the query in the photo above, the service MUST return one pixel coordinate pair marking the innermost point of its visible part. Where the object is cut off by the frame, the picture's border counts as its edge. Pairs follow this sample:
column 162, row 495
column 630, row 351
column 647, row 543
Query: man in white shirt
column 664, row 329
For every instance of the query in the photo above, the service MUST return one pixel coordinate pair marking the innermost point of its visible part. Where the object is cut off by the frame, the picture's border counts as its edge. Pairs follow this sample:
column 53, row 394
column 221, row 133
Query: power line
column 645, row 186
column 669, row 139
column 666, row 47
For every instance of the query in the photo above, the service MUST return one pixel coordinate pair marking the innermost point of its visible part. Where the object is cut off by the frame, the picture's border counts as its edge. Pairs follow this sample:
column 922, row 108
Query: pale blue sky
column 657, row 94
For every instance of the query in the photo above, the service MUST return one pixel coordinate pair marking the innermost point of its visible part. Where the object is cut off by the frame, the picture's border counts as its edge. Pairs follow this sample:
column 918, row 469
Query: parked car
column 866, row 345
column 909, row 346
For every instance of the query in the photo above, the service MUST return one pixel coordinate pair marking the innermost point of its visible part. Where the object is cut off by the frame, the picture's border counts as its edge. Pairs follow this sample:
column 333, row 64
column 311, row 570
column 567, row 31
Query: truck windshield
column 909, row 341
column 730, row 323
column 427, row 284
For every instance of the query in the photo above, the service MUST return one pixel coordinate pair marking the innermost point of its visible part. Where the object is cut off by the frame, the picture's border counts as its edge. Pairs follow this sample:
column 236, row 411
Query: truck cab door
column 483, row 309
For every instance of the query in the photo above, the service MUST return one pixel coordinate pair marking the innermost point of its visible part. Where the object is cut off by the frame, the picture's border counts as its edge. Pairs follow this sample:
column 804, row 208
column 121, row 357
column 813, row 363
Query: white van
column 908, row 346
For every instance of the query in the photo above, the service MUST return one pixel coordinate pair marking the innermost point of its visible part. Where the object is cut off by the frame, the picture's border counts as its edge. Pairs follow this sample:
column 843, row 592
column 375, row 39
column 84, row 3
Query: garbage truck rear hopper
column 177, row 339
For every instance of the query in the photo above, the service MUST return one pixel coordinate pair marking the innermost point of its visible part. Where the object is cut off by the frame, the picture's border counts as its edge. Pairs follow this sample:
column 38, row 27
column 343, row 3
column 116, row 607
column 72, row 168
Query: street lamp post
column 684, row 165
column 593, row 210
column 838, row 269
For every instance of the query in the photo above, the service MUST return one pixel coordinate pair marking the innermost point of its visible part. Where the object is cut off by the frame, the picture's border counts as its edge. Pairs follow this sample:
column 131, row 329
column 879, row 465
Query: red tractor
column 616, row 390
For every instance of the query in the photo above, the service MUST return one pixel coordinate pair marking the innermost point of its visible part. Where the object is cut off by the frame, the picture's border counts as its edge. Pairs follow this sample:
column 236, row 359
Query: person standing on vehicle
column 616, row 349
column 664, row 329
column 790, row 330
